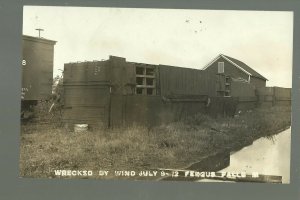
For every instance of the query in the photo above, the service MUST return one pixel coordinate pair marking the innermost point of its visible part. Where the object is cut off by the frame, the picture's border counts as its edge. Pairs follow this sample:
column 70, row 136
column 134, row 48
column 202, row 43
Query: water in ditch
column 267, row 156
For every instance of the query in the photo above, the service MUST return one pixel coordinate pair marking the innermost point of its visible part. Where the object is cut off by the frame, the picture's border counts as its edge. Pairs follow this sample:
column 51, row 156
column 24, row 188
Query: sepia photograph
column 156, row 94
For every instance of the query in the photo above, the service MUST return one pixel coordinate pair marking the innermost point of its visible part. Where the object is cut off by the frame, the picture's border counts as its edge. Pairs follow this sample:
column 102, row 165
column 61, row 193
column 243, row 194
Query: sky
column 186, row 38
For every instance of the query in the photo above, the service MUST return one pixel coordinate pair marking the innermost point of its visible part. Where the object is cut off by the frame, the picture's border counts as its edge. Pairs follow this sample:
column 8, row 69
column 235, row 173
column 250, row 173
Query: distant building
column 235, row 69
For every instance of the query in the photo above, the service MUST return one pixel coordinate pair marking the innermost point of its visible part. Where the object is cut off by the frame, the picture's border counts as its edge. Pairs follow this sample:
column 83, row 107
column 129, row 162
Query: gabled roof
column 239, row 64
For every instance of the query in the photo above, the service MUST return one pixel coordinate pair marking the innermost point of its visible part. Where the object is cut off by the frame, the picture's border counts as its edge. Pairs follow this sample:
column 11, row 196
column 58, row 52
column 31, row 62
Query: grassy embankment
column 48, row 147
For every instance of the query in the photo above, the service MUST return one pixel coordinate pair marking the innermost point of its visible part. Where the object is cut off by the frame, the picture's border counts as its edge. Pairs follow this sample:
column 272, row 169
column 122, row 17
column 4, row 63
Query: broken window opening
column 139, row 81
column 140, row 70
column 149, row 81
column 150, row 71
column 145, row 79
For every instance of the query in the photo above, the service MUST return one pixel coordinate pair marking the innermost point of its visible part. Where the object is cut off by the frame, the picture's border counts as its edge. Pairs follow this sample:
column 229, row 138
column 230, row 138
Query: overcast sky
column 185, row 38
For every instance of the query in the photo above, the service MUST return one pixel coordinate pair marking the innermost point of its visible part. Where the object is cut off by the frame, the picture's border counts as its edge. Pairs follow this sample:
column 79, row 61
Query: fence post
column 273, row 97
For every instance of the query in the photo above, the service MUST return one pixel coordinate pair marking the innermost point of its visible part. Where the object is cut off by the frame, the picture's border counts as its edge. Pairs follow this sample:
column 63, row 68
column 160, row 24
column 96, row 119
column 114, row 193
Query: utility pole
column 39, row 30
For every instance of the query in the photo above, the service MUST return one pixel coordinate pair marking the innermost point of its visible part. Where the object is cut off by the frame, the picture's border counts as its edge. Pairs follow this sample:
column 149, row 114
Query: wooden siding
column 149, row 110
column 234, row 72
column 121, row 75
column 258, row 82
column 229, row 69
column 87, row 104
column 37, row 74
column 183, row 81
column 241, row 89
column 270, row 96
column 86, row 72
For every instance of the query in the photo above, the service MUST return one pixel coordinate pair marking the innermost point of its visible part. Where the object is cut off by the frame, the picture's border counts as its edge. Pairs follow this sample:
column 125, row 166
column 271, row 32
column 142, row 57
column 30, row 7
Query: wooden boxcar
column 37, row 70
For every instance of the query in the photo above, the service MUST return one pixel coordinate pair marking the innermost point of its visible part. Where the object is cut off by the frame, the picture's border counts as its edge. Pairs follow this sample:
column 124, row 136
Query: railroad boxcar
column 37, row 70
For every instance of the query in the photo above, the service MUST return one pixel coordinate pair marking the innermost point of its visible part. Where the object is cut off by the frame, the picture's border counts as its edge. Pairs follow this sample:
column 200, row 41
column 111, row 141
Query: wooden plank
column 248, row 99
column 176, row 80
column 145, row 86
column 145, row 76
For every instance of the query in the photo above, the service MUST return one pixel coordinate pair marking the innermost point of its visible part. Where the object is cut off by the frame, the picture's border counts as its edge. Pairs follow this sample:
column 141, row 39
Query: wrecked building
column 115, row 92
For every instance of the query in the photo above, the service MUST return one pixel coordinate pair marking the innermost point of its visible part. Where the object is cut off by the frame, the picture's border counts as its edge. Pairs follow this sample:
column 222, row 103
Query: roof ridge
column 254, row 73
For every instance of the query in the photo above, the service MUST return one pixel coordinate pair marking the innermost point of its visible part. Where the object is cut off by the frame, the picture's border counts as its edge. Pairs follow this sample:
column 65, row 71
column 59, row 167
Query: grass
column 47, row 147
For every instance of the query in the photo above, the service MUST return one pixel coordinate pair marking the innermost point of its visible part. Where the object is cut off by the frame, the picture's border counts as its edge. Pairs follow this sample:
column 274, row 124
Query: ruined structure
column 116, row 92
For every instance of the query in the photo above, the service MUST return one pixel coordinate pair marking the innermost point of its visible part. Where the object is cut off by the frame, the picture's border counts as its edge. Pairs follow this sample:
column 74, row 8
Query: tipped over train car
column 37, row 71
column 115, row 92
